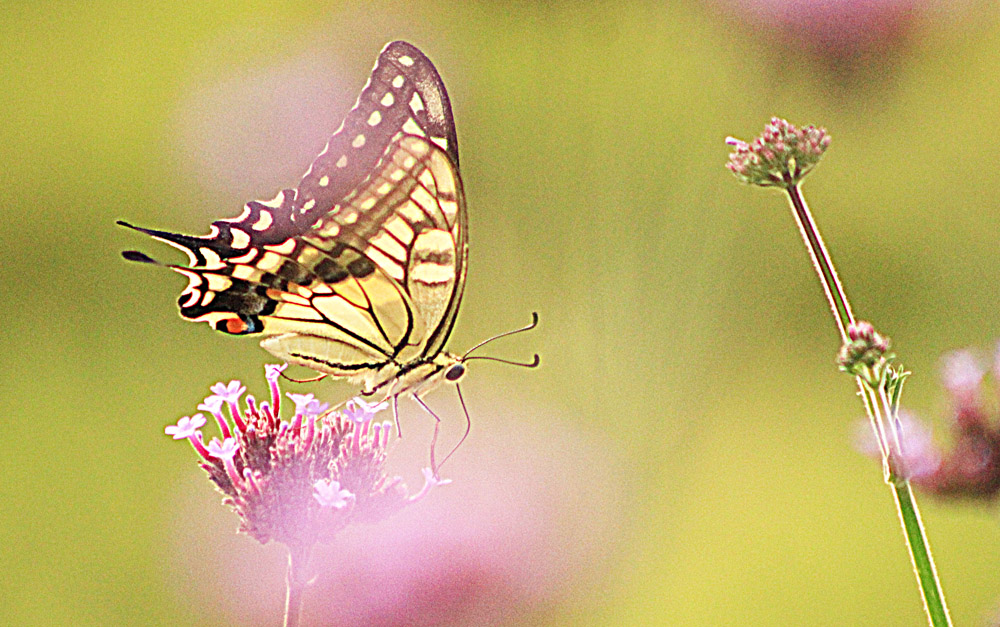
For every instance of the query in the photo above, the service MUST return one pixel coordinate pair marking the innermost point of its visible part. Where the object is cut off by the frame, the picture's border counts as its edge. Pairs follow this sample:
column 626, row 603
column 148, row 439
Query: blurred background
column 684, row 454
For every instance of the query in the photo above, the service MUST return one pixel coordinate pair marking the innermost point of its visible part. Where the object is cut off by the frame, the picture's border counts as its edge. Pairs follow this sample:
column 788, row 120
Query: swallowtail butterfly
column 359, row 271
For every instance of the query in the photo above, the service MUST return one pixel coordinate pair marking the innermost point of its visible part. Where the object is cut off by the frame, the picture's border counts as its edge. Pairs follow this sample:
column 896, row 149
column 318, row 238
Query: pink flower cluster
column 299, row 481
column 780, row 156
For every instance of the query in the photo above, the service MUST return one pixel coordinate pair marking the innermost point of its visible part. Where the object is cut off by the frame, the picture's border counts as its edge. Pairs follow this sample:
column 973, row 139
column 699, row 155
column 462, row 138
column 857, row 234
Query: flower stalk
column 781, row 157
column 297, row 580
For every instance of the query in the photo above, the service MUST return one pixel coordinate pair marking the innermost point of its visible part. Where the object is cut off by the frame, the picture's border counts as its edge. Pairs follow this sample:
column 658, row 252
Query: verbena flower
column 970, row 467
column 780, row 156
column 301, row 480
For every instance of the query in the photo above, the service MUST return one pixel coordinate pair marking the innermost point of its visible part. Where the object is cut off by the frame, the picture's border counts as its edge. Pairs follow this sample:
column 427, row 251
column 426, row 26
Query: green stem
column 882, row 413
column 920, row 554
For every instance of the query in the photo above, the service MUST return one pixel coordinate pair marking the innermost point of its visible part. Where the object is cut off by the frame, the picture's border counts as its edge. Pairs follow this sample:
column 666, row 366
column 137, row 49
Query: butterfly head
column 455, row 372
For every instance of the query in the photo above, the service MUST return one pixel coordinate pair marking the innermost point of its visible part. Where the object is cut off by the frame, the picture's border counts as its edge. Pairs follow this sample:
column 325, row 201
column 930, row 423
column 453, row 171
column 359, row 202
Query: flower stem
column 297, row 581
column 822, row 262
column 882, row 413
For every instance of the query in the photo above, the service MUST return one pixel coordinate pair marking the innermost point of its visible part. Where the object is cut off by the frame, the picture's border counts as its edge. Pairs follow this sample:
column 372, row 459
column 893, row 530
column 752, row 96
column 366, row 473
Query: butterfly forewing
column 362, row 266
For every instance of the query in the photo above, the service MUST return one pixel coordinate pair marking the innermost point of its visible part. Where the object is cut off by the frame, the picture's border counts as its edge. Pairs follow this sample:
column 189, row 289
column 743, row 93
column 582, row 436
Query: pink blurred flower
column 970, row 467
column 839, row 33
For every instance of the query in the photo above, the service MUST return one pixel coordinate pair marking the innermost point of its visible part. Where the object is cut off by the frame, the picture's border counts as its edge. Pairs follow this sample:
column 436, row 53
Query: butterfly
column 359, row 271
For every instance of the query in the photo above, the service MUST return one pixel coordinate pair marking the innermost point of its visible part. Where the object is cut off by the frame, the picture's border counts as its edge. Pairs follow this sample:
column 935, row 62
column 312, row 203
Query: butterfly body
column 359, row 271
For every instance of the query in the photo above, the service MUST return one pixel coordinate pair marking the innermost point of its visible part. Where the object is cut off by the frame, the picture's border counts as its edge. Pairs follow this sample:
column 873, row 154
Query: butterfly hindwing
column 363, row 265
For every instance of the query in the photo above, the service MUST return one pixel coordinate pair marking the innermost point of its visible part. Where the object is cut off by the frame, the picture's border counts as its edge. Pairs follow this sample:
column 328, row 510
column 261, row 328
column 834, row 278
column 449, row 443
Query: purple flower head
column 780, row 156
column 185, row 427
column 360, row 412
column 301, row 479
column 225, row 449
column 328, row 493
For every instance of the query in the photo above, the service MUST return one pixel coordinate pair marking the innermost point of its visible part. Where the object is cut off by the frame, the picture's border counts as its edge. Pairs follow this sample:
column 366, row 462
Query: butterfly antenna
column 531, row 364
column 534, row 323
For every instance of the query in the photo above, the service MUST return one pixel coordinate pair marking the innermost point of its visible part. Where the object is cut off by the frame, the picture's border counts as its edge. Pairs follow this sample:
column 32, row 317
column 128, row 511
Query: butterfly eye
column 455, row 372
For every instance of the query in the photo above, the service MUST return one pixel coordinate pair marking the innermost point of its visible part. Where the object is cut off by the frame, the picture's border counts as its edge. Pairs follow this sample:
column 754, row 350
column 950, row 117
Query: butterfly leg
column 437, row 429
column 468, row 424
column 395, row 415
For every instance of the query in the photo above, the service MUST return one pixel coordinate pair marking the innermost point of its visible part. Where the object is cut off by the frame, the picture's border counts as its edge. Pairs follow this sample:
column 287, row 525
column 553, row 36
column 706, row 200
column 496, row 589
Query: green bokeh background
column 681, row 322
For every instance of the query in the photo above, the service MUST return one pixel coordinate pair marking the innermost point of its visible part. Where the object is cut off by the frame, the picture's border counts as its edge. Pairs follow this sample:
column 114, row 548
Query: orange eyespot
column 236, row 326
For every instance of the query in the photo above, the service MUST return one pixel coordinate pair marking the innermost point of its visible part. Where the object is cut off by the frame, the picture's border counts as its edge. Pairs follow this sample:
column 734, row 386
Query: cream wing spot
column 286, row 247
column 263, row 222
column 331, row 229
column 324, row 181
column 342, row 162
column 240, row 218
column 212, row 258
column 359, row 141
column 218, row 282
column 270, row 262
column 406, row 60
column 388, row 99
column 247, row 258
column 413, row 128
column 374, row 118
column 398, row 81
column 192, row 298
column 416, row 103
column 241, row 239
column 275, row 202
